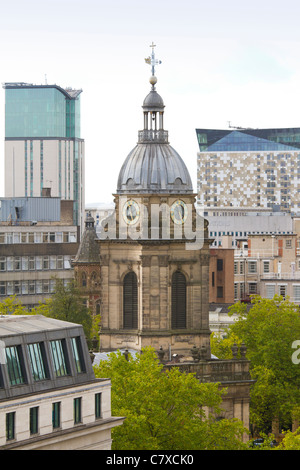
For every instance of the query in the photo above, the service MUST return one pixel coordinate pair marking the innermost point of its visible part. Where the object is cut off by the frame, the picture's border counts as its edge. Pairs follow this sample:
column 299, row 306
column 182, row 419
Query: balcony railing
column 295, row 275
column 150, row 135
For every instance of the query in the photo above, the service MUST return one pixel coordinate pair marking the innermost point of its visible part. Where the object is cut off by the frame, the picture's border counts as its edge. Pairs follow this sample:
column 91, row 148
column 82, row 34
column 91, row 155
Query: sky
column 223, row 63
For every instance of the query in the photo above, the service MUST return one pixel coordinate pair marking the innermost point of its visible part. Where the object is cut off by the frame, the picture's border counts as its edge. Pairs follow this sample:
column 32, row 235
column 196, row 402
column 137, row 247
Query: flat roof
column 23, row 324
column 68, row 92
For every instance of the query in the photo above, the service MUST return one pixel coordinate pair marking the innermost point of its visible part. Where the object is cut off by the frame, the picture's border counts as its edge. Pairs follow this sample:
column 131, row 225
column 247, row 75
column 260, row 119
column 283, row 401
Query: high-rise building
column 249, row 169
column 43, row 144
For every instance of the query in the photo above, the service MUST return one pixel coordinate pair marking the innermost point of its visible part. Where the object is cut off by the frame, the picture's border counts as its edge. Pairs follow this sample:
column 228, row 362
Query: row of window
column 38, row 361
column 31, row 287
column 271, row 290
column 56, row 416
column 34, row 263
column 9, row 238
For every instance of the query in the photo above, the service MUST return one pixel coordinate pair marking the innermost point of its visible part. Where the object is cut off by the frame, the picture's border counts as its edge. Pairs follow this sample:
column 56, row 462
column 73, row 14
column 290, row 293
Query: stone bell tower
column 154, row 249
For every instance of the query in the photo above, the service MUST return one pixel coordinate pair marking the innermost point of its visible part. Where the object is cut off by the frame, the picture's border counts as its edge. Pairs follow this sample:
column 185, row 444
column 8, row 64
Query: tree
column 165, row 409
column 67, row 305
column 269, row 330
column 12, row 306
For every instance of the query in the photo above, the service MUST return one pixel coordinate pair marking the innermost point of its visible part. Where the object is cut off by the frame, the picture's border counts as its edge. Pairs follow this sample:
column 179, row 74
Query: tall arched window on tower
column 178, row 300
column 130, row 301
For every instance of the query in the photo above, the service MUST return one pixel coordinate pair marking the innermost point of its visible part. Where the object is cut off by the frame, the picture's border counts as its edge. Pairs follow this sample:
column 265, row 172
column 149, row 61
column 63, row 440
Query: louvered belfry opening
column 130, row 301
column 178, row 300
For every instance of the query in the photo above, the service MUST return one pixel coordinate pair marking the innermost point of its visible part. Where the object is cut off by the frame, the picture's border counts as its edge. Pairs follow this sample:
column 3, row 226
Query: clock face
column 179, row 212
column 131, row 212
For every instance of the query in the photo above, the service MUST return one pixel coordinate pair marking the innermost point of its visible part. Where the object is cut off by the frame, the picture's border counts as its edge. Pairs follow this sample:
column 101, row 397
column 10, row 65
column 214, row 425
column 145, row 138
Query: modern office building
column 43, row 144
column 248, row 169
column 49, row 396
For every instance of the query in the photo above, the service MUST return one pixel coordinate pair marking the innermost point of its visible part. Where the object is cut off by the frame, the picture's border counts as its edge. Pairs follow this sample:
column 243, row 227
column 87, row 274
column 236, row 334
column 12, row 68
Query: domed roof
column 153, row 100
column 153, row 168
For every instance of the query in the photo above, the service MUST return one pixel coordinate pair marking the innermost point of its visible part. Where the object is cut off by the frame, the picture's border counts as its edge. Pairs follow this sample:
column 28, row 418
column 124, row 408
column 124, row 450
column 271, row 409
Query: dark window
column 220, row 291
column 178, row 300
column 59, row 357
column 77, row 354
column 10, row 425
column 56, row 415
column 98, row 405
column 83, row 280
column 36, row 356
column 14, row 365
column 33, row 420
column 219, row 265
column 77, row 410
column 130, row 301
column 213, row 279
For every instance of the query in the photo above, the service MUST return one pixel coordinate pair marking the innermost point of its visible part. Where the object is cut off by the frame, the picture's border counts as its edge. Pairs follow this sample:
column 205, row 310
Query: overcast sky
column 222, row 61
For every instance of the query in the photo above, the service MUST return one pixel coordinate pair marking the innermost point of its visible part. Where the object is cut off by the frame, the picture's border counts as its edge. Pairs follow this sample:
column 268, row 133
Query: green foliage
column 66, row 304
column 291, row 441
column 269, row 330
column 221, row 347
column 164, row 409
column 12, row 306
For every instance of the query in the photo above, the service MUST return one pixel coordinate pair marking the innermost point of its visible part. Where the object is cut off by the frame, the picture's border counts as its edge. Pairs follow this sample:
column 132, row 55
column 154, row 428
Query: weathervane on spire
column 152, row 61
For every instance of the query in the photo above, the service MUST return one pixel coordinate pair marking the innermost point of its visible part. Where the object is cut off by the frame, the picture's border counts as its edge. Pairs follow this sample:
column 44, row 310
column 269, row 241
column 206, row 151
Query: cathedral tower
column 154, row 251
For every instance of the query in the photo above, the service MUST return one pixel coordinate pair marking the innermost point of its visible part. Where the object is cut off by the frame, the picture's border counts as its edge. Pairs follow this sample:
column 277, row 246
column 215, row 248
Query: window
column 130, row 301
column 10, row 425
column 83, row 280
column 14, row 366
column 36, row 361
column 288, row 243
column 98, row 411
column 252, row 267
column 34, row 420
column 282, row 291
column 17, row 263
column 178, row 318
column 2, row 263
column 60, row 262
column 56, row 415
column 45, row 262
column 77, row 410
column 2, row 288
column 219, row 292
column 219, row 265
column 270, row 291
column 58, row 356
column 252, row 286
column 296, row 292
column 266, row 266
column 236, row 291
column 242, row 267
column 31, row 263
column 77, row 354
column 235, row 267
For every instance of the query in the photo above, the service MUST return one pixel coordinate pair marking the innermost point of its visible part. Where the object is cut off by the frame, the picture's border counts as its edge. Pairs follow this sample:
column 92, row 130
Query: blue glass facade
column 213, row 140
column 41, row 112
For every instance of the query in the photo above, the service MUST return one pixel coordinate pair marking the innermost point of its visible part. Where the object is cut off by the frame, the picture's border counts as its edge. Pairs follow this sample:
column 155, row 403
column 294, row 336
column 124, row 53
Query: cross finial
column 151, row 60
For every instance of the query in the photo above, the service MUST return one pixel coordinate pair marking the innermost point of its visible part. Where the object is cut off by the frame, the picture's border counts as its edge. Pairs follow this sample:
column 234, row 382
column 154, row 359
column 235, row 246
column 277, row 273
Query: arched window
column 130, row 301
column 178, row 319
column 83, row 279
column 93, row 279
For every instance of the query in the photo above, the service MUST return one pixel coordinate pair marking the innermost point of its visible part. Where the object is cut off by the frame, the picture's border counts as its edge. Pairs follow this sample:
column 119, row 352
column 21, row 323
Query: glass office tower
column 43, row 145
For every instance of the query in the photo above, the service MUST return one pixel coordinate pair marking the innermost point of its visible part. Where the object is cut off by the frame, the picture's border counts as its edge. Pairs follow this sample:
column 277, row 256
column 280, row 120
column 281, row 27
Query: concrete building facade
column 36, row 247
